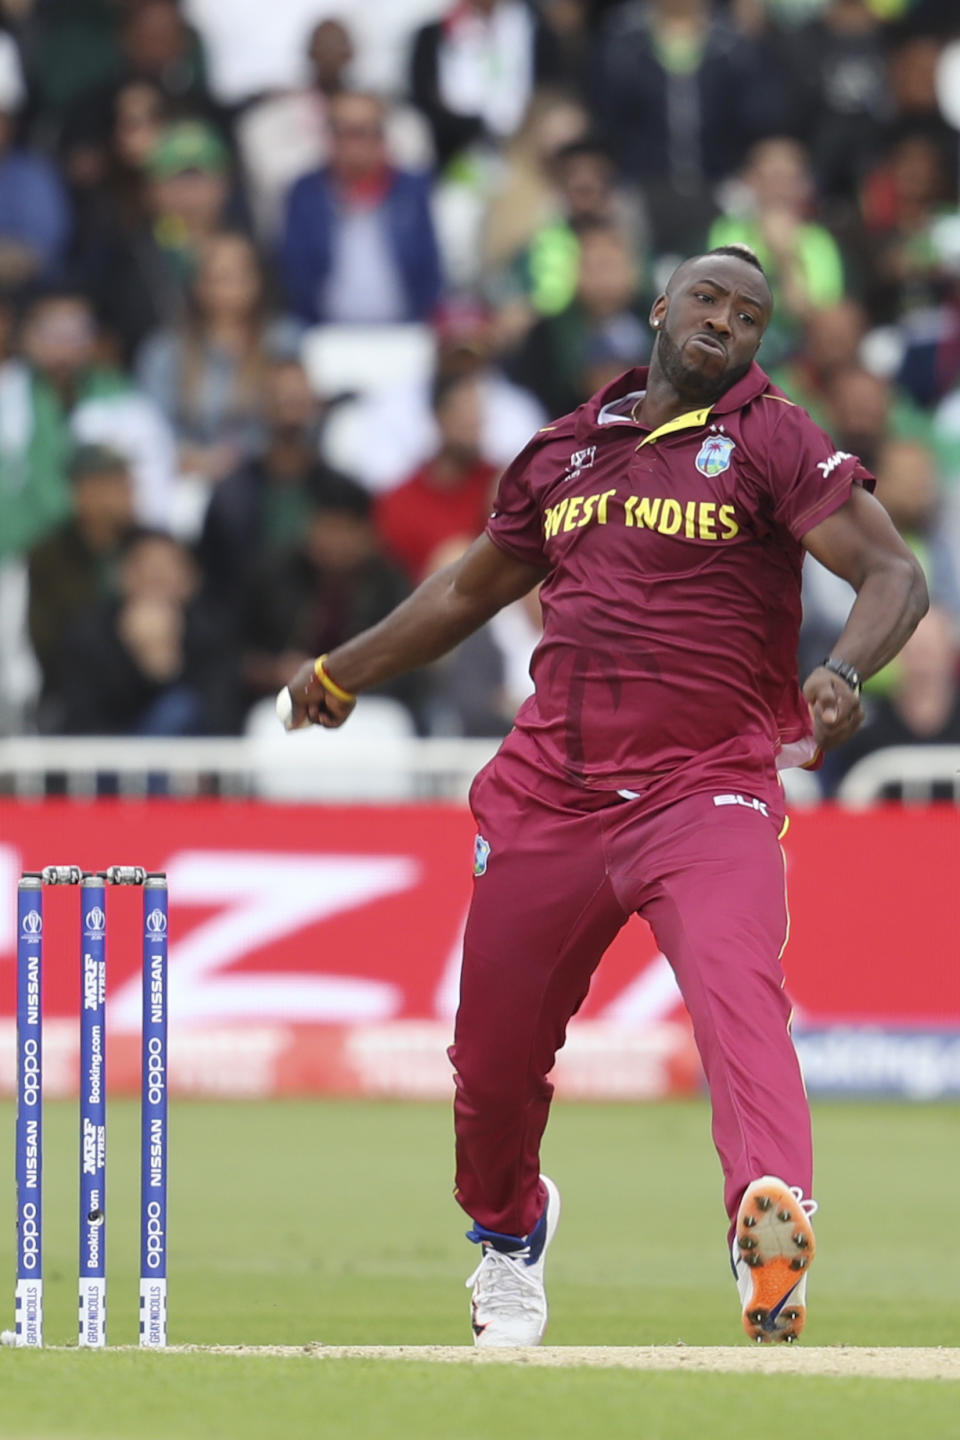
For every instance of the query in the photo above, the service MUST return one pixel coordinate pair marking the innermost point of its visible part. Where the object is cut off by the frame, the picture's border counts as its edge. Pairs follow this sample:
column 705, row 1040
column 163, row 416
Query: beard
column 688, row 380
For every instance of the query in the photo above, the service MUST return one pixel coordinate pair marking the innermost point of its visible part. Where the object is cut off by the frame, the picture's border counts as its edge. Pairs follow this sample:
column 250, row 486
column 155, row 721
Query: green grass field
column 294, row 1223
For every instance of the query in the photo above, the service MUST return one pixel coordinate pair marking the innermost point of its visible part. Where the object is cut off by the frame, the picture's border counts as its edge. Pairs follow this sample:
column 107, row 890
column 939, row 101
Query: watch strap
column 848, row 673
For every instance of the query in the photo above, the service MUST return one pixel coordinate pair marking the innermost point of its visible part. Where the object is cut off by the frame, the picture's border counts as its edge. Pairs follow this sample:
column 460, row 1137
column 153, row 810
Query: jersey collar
column 614, row 404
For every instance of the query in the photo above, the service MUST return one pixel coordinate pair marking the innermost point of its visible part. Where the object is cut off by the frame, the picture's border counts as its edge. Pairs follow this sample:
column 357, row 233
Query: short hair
column 589, row 226
column 34, row 297
column 740, row 252
column 369, row 97
column 592, row 147
column 89, row 460
column 334, row 493
column 139, row 535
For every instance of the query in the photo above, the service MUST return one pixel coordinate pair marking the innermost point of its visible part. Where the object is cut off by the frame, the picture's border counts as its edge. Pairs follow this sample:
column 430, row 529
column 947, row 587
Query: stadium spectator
column 602, row 323
column 334, row 579
column 488, row 677
column 907, row 487
column 568, row 24
column 840, row 73
column 104, row 162
column 286, row 135
column 153, row 47
column 523, row 196
column 73, row 570
column 154, row 659
column 610, row 118
column 541, row 278
column 911, row 69
column 207, row 373
column 34, row 210
column 60, row 392
column 262, row 508
column 769, row 210
column 358, row 243
column 946, row 433
column 145, row 274
column 158, row 45
column 72, row 49
column 909, row 215
column 930, row 363
column 466, row 344
column 863, row 410
column 682, row 96
column 921, row 708
column 832, row 342
column 474, row 71
column 448, row 499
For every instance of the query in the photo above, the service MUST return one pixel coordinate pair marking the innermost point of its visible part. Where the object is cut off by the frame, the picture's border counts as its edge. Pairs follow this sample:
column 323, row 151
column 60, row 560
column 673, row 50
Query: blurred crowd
column 284, row 286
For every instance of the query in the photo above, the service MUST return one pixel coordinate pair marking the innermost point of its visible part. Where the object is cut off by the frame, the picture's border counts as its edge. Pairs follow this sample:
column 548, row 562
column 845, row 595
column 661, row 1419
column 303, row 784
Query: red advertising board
column 316, row 948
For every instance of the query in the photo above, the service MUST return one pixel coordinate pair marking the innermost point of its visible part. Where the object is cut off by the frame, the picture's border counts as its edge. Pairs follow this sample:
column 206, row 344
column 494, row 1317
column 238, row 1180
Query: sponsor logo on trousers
column 746, row 800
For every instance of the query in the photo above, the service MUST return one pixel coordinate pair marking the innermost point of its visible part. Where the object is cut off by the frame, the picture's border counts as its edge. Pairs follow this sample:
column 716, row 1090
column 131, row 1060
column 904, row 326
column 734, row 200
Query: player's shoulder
column 772, row 420
column 552, row 437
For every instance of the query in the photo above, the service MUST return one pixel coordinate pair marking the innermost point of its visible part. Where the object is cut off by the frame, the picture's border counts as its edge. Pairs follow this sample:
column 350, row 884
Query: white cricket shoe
column 771, row 1253
column 509, row 1303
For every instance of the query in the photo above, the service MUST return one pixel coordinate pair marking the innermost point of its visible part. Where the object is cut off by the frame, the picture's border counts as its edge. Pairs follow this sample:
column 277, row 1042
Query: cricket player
column 667, row 520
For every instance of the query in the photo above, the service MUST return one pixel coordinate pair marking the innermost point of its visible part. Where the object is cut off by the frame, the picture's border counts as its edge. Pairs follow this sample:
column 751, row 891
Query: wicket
column 92, row 1314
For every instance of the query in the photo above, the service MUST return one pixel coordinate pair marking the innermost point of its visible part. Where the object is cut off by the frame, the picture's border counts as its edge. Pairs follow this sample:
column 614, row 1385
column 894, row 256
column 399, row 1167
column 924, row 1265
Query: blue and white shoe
column 771, row 1254
column 509, row 1303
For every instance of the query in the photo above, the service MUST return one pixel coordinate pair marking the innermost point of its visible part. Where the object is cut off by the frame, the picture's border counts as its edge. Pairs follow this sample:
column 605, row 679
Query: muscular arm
column 859, row 543
column 444, row 610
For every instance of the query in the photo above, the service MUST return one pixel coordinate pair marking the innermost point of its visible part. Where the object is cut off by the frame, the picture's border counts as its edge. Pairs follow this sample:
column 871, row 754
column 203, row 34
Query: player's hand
column 834, row 708
column 311, row 703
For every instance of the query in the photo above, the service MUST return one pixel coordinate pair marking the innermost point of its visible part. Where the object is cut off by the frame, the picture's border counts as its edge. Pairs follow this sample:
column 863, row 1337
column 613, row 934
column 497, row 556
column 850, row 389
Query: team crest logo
column 714, row 455
column 581, row 460
column 481, row 854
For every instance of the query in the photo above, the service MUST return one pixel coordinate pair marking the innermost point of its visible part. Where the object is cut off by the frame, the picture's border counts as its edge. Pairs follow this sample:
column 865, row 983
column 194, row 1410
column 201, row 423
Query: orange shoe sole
column 777, row 1244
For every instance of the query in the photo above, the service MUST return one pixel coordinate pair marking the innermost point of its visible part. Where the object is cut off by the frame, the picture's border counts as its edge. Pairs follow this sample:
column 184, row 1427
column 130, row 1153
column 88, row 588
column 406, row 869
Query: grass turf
column 299, row 1222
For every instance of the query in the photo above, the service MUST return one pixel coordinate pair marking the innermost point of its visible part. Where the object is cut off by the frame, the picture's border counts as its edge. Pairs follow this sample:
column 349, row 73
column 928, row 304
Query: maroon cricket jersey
column 671, row 612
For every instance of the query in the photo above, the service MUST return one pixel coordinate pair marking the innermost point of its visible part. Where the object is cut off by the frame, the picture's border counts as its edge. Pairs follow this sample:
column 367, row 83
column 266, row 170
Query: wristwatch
column 848, row 674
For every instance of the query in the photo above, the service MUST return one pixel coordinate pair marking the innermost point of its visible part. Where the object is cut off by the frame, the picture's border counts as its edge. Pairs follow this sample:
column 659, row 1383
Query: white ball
column 285, row 707
column 8, row 1337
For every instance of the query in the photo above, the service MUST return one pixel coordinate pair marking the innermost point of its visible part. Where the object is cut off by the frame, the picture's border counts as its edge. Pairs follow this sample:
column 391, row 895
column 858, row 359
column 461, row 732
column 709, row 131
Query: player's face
column 711, row 322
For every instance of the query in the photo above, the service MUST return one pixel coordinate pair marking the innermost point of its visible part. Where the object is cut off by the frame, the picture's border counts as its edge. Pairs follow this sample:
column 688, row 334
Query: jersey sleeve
column 516, row 525
column 809, row 477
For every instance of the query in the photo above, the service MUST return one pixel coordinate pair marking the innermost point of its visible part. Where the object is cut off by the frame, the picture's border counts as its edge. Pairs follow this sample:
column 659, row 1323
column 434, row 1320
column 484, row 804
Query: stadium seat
column 358, row 358
column 343, row 436
column 333, row 764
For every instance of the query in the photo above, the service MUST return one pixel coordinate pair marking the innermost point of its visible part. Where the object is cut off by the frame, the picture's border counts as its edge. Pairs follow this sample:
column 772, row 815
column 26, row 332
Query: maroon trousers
column 565, row 871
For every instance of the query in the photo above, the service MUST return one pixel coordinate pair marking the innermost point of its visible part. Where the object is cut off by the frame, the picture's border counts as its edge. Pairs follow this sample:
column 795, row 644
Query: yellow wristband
column 330, row 684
